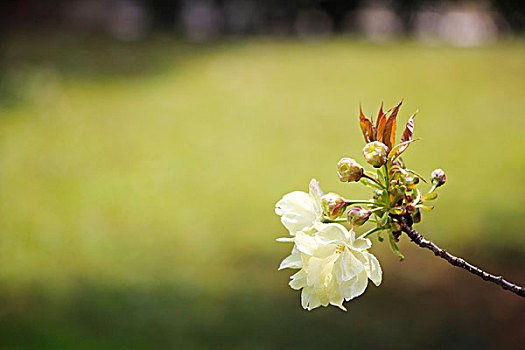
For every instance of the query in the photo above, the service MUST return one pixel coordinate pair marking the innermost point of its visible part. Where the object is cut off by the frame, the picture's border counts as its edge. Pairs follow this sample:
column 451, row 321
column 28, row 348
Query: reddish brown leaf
column 389, row 134
column 366, row 127
column 380, row 125
column 409, row 129
column 399, row 149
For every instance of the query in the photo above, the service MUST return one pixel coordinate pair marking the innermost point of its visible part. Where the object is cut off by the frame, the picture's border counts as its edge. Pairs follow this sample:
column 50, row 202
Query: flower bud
column 349, row 170
column 375, row 153
column 438, row 177
column 358, row 216
column 333, row 205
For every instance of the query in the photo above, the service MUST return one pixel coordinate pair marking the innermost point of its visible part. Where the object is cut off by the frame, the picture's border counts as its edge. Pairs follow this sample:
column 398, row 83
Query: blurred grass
column 129, row 168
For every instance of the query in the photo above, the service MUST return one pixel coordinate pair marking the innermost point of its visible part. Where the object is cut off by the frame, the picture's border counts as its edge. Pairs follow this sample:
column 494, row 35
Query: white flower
column 300, row 210
column 334, row 266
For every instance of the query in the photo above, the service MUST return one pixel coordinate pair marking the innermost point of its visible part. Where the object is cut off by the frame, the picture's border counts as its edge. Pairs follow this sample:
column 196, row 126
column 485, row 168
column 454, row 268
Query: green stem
column 333, row 221
column 376, row 181
column 361, row 202
column 368, row 233
column 432, row 189
column 376, row 209
column 386, row 178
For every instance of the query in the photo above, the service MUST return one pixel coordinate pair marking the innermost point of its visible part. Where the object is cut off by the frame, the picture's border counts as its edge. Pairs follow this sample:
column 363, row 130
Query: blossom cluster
column 335, row 266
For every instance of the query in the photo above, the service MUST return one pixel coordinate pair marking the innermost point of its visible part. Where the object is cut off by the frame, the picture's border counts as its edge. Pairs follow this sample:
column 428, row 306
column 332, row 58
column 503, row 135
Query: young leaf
column 429, row 196
column 394, row 247
column 416, row 174
column 397, row 210
column 401, row 163
column 389, row 134
column 380, row 175
column 409, row 129
column 380, row 124
column 371, row 174
column 366, row 127
column 425, row 207
column 418, row 198
column 384, row 220
column 369, row 183
column 399, row 149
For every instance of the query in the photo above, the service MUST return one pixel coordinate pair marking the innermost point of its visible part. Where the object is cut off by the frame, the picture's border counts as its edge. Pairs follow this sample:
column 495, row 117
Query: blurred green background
column 138, row 182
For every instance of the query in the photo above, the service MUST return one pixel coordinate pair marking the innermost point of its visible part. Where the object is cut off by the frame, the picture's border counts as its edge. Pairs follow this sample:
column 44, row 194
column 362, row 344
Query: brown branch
column 424, row 243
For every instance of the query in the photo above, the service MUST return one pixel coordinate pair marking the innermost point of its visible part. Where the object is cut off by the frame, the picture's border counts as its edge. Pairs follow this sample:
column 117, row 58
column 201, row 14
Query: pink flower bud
column 357, row 216
column 438, row 177
column 333, row 205
column 349, row 170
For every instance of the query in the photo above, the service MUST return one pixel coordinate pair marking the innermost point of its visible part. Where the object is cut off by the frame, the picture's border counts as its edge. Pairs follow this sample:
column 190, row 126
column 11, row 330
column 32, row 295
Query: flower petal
column 297, row 210
column 360, row 286
column 330, row 233
column 362, row 244
column 335, row 298
column 314, row 302
column 306, row 296
column 351, row 266
column 338, row 303
column 293, row 261
column 312, row 246
column 315, row 267
column 355, row 287
column 373, row 269
column 306, row 243
column 316, row 193
column 298, row 280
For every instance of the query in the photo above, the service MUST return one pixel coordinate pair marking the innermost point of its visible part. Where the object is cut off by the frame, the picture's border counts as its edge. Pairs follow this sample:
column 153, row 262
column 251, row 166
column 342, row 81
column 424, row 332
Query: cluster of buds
column 396, row 193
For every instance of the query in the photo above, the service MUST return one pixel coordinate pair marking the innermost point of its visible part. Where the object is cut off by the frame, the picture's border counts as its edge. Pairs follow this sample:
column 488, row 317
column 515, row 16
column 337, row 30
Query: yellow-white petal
column 316, row 193
column 297, row 210
column 314, row 302
column 362, row 244
column 373, row 269
column 359, row 286
column 285, row 239
column 338, row 303
column 330, row 233
column 350, row 266
column 293, row 261
column 306, row 296
column 315, row 267
column 313, row 246
column 298, row 280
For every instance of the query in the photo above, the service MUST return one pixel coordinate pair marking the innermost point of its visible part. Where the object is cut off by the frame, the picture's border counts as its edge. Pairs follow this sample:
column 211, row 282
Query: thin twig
column 424, row 243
